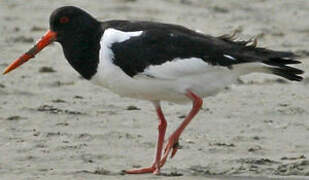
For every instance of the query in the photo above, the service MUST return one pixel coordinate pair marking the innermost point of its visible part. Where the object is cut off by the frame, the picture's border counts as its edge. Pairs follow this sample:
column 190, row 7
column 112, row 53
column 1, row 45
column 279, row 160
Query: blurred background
column 54, row 124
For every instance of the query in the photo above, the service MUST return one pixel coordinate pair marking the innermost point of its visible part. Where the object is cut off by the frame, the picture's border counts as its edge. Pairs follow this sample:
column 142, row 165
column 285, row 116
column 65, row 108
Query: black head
column 78, row 33
column 69, row 20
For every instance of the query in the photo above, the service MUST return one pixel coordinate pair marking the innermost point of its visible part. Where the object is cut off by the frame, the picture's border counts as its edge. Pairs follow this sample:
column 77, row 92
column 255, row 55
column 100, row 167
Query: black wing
column 160, row 43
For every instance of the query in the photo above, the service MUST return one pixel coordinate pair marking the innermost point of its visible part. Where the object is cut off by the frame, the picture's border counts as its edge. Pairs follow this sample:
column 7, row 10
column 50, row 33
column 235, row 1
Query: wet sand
column 55, row 125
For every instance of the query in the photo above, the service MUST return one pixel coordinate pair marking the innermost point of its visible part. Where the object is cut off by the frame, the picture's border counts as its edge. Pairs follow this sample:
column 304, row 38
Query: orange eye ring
column 64, row 20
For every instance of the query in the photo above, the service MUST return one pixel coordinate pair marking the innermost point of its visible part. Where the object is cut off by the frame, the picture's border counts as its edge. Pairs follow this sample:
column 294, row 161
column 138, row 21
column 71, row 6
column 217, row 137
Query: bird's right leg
column 172, row 144
column 155, row 168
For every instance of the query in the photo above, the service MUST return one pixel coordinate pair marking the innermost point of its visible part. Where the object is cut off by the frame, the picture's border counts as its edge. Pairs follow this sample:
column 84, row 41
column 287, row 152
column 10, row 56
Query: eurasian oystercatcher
column 157, row 62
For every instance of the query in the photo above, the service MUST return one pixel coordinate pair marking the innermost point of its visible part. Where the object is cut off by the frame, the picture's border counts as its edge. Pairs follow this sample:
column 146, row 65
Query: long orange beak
column 48, row 38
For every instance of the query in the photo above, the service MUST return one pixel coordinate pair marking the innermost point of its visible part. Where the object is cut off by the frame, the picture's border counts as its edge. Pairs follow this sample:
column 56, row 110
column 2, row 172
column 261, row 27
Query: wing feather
column 167, row 51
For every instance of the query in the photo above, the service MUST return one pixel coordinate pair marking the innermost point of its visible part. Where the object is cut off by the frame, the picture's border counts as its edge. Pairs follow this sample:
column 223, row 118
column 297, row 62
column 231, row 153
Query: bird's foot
column 151, row 169
column 175, row 149
column 172, row 145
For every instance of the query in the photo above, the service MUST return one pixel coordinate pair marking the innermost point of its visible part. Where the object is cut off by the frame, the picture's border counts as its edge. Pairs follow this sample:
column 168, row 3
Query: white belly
column 154, row 89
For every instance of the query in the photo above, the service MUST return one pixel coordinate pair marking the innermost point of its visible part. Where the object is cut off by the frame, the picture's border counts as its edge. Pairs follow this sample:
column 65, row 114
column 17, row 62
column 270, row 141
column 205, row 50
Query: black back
column 164, row 42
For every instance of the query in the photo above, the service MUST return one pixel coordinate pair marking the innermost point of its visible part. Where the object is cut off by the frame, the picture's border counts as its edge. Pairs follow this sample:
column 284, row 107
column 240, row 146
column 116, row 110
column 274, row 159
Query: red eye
column 64, row 20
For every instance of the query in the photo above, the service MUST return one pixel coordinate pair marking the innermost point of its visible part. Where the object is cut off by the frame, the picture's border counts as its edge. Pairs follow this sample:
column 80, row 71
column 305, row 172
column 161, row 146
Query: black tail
column 289, row 73
column 279, row 61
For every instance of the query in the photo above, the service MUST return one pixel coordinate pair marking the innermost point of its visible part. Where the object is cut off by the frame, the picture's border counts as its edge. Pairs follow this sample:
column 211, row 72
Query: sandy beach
column 56, row 125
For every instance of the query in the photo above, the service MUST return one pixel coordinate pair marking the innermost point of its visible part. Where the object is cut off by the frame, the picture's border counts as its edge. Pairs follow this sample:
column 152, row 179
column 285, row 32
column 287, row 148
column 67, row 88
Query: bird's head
column 66, row 23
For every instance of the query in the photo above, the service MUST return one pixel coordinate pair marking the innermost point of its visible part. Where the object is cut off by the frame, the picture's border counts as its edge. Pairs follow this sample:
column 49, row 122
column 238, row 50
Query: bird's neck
column 82, row 52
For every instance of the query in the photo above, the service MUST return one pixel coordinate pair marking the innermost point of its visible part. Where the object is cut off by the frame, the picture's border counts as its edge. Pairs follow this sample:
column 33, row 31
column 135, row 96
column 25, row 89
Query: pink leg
column 155, row 168
column 173, row 139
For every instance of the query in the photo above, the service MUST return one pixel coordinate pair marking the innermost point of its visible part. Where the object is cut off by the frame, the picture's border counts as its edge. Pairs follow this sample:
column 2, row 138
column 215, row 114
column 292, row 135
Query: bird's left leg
column 155, row 168
column 172, row 143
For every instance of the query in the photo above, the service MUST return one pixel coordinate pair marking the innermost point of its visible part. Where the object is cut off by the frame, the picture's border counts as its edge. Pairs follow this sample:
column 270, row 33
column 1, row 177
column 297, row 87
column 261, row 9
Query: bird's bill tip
column 48, row 38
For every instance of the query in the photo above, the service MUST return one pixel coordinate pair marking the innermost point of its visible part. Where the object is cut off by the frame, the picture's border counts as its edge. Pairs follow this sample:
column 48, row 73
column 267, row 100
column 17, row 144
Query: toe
column 141, row 171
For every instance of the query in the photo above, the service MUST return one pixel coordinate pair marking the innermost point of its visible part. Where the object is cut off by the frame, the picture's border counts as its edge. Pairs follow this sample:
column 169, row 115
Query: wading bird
column 156, row 62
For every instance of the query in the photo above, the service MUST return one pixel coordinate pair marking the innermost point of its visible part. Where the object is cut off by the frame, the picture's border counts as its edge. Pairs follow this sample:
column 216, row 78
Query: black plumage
column 165, row 42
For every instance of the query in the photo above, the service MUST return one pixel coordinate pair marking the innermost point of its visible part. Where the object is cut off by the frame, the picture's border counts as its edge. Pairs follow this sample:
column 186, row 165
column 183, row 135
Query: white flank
column 177, row 68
